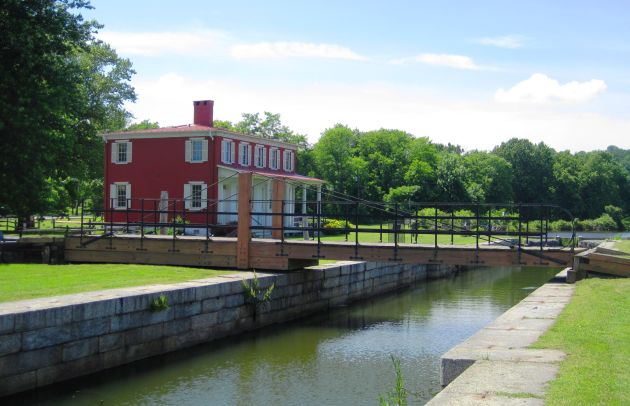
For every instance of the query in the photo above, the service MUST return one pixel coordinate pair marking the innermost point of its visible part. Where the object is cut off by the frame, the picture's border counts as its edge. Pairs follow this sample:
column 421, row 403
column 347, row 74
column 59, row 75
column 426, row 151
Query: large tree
column 58, row 88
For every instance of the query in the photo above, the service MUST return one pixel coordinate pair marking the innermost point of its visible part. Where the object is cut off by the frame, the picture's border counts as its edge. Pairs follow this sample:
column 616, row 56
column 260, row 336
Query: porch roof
column 293, row 177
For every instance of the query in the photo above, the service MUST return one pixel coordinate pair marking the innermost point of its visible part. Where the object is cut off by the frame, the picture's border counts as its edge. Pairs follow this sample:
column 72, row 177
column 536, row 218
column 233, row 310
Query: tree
column 58, row 88
column 532, row 167
column 333, row 155
column 143, row 125
column 488, row 178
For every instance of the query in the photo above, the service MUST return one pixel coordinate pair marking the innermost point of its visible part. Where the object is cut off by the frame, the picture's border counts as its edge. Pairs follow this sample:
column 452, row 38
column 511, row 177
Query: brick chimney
column 203, row 112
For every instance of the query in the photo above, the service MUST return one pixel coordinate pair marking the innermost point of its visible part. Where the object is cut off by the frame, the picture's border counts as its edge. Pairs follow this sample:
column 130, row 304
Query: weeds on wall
column 255, row 296
column 159, row 303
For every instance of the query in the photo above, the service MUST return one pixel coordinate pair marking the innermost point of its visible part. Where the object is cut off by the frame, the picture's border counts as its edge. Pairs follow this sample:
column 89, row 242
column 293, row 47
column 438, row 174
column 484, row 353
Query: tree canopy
column 58, row 88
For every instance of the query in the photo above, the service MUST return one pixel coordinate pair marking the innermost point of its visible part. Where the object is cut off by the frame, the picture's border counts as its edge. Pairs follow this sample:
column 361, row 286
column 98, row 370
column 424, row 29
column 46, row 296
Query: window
column 259, row 156
column 243, row 152
column 121, row 152
column 227, row 151
column 196, row 195
column 274, row 158
column 197, row 150
column 120, row 195
column 288, row 160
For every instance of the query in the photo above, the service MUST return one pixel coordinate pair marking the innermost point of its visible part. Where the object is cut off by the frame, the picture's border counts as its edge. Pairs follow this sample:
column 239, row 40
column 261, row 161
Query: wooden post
column 277, row 196
column 244, row 231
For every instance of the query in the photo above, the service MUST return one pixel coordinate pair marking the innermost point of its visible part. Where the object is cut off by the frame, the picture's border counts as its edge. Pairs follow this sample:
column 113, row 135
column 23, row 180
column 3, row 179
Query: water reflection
column 338, row 358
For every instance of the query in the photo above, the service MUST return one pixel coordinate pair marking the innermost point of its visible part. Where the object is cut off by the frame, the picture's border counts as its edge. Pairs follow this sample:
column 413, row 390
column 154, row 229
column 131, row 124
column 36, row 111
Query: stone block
column 234, row 300
column 113, row 358
column 331, row 273
column 137, row 303
column 20, row 362
column 182, row 295
column 7, row 323
column 143, row 334
column 186, row 310
column 144, row 350
column 204, row 321
column 212, row 304
column 39, row 319
column 47, row 337
column 67, row 370
column 175, row 327
column 208, row 291
column 344, row 279
column 281, row 280
column 10, row 343
column 91, row 328
column 79, row 349
column 109, row 342
column 92, row 310
column 331, row 282
column 231, row 287
column 18, row 383
column 228, row 315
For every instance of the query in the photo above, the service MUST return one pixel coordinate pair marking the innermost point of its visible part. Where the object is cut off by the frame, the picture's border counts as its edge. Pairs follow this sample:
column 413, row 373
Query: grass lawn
column 623, row 245
column 594, row 330
column 28, row 281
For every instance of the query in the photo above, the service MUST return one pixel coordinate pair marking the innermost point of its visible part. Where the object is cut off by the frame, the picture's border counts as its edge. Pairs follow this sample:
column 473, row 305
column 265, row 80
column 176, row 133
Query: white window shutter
column 204, row 150
column 204, row 196
column 233, row 146
column 129, row 154
column 187, row 195
column 128, row 195
column 224, row 151
column 114, row 152
column 113, row 199
column 188, row 152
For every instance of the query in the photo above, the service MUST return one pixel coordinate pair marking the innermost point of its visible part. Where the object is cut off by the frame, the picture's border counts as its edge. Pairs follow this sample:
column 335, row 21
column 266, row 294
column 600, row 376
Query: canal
column 339, row 358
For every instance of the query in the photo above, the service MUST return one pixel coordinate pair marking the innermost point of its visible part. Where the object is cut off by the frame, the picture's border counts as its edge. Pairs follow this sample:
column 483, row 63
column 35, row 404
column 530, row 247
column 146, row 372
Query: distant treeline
column 394, row 166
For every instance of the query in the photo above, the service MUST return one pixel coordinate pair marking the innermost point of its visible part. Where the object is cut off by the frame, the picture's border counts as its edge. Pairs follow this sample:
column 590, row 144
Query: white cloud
column 506, row 41
column 541, row 89
column 310, row 109
column 286, row 49
column 451, row 61
column 162, row 43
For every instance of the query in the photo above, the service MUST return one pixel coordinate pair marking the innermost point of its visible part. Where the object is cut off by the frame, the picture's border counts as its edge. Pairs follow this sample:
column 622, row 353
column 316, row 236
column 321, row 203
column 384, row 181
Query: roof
column 194, row 128
column 293, row 176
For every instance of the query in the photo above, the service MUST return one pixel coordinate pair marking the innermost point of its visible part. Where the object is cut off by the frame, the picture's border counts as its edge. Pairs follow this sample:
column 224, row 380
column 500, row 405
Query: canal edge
column 495, row 365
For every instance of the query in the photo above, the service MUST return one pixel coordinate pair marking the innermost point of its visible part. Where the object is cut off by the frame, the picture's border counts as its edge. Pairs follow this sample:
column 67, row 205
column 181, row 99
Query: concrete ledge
column 496, row 362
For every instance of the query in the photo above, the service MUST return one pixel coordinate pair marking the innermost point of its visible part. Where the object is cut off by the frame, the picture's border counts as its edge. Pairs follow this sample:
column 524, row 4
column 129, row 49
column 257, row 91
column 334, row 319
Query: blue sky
column 468, row 73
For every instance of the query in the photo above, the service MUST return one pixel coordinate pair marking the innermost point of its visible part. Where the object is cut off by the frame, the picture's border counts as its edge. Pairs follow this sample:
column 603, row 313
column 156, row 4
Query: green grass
column 28, row 281
column 594, row 332
column 623, row 245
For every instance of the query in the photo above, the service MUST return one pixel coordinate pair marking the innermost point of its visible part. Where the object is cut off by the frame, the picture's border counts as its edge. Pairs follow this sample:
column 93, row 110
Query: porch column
column 304, row 216
column 244, row 232
column 319, row 207
column 277, row 197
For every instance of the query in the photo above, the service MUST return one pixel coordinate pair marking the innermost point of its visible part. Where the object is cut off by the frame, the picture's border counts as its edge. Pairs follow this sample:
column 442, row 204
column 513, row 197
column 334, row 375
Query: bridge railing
column 514, row 225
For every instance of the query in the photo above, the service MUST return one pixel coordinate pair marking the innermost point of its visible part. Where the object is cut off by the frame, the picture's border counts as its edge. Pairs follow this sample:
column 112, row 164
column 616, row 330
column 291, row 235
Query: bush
column 331, row 224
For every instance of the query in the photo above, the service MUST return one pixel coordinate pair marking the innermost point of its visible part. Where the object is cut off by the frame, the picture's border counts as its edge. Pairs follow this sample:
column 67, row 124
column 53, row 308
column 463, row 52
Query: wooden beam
column 244, row 220
column 277, row 196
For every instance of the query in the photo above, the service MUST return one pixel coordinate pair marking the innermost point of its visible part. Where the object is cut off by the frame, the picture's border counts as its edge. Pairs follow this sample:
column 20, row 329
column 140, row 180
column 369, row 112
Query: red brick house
column 196, row 166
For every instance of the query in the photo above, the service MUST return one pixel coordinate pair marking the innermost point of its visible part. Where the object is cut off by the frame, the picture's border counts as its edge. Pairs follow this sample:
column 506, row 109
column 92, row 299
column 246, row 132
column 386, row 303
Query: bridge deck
column 293, row 254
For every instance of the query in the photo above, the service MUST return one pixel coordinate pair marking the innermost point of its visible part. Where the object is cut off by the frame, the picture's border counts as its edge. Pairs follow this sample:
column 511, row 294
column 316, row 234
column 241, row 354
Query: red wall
column 158, row 164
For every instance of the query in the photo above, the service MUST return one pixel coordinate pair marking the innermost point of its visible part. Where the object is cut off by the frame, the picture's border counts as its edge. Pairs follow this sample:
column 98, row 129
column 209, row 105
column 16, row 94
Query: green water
column 338, row 358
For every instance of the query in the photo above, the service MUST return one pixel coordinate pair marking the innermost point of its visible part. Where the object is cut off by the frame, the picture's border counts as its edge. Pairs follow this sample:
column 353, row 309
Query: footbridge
column 282, row 234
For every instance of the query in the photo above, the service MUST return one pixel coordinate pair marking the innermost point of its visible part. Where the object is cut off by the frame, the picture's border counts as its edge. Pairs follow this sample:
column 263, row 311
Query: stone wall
column 48, row 340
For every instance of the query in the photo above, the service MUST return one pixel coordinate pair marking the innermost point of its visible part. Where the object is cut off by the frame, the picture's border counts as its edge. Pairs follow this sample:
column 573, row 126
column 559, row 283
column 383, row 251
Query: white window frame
column 244, row 153
column 227, row 151
column 260, row 155
column 116, row 145
column 113, row 195
column 274, row 158
column 288, row 160
column 190, row 149
column 188, row 195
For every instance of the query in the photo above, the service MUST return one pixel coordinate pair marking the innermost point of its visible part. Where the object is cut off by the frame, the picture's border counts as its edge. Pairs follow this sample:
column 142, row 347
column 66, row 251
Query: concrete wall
column 48, row 340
